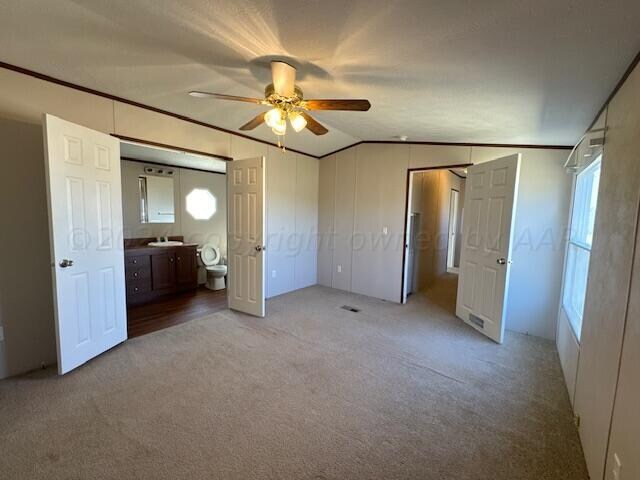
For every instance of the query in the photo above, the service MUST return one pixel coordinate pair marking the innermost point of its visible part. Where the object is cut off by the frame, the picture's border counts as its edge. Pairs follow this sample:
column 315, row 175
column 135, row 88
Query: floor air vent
column 476, row 320
column 350, row 308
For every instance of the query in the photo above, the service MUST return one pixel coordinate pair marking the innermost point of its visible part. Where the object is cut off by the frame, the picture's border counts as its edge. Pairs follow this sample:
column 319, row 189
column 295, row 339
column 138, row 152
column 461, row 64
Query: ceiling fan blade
column 254, row 122
column 351, row 105
column 220, row 96
column 284, row 78
column 313, row 124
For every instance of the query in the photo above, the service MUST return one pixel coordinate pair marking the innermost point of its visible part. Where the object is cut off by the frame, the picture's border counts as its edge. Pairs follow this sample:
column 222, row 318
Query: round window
column 201, row 204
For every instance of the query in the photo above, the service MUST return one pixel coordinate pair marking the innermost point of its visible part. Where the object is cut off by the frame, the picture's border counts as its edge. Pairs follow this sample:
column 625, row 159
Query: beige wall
column 144, row 124
column 292, row 215
column 378, row 226
column 447, row 181
column 566, row 340
column 326, row 223
column 375, row 176
column 306, row 222
column 345, row 175
column 542, row 211
column 26, row 301
column 625, row 427
column 431, row 198
column 424, row 202
column 28, row 324
column 607, row 308
column 212, row 231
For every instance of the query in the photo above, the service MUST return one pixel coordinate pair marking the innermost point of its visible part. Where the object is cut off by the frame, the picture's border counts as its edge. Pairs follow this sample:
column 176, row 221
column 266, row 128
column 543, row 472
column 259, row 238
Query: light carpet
column 310, row 392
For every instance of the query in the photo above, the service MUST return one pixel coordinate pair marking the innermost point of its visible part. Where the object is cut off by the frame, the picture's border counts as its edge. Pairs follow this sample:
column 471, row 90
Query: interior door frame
column 403, row 297
column 175, row 148
column 166, row 146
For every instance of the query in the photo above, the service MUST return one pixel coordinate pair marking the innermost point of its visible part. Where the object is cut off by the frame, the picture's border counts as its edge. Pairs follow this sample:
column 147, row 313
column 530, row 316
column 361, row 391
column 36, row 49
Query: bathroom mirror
column 156, row 199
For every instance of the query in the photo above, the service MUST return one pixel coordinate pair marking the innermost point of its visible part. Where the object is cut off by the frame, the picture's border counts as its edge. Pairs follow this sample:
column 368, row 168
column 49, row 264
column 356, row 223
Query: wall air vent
column 477, row 321
column 349, row 308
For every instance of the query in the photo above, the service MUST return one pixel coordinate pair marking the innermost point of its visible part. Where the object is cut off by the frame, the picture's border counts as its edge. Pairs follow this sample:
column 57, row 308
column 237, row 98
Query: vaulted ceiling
column 501, row 71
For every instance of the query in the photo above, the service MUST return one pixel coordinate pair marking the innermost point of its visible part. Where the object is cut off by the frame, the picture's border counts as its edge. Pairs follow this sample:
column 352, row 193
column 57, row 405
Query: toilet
column 210, row 271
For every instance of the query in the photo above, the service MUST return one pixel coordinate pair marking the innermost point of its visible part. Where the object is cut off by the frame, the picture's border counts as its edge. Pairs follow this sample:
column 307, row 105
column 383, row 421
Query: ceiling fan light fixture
column 298, row 122
column 273, row 118
column 280, row 128
column 286, row 101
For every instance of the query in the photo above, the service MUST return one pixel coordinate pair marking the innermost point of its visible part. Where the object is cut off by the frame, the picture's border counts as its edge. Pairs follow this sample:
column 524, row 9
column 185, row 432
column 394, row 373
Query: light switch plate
column 273, row 274
column 1, row 334
column 339, row 268
column 385, row 230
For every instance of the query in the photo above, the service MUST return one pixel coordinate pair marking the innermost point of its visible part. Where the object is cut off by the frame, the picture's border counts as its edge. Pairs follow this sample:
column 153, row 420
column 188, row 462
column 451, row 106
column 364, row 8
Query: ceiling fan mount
column 271, row 97
column 288, row 103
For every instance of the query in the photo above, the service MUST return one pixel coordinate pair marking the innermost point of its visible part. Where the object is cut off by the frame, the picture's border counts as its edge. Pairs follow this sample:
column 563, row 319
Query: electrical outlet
column 1, row 334
column 616, row 467
column 273, row 274
column 339, row 268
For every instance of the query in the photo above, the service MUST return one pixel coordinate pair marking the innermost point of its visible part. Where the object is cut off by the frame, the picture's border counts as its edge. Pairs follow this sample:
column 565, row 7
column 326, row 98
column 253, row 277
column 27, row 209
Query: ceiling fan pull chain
column 281, row 143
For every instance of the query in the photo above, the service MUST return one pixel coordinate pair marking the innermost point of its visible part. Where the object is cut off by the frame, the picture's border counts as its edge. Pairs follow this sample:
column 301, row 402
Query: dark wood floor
column 173, row 310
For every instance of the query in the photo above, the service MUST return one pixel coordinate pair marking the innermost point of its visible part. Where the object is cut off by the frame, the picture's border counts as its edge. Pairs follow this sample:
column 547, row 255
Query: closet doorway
column 433, row 219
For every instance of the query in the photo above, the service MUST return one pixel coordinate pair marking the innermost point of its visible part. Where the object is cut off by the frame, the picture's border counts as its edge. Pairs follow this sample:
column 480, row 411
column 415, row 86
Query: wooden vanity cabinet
column 151, row 272
column 137, row 271
column 163, row 270
column 186, row 268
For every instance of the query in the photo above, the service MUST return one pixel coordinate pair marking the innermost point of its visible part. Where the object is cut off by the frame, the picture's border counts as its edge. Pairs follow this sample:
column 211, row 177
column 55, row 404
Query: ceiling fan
column 287, row 102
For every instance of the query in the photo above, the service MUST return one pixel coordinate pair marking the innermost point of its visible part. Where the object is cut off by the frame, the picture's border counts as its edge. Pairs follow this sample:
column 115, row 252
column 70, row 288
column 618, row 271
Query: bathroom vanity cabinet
column 155, row 271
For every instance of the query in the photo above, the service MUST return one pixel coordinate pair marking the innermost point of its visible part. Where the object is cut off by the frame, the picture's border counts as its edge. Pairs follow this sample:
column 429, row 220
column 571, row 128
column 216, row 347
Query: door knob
column 260, row 248
column 501, row 261
column 66, row 263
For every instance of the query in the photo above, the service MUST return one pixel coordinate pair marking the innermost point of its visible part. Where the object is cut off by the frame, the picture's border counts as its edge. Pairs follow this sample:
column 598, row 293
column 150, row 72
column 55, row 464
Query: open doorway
column 103, row 263
column 434, row 217
column 175, row 235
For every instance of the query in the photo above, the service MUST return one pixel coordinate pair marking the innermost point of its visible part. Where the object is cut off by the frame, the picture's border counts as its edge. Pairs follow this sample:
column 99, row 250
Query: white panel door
column 491, row 191
column 245, row 235
column 85, row 225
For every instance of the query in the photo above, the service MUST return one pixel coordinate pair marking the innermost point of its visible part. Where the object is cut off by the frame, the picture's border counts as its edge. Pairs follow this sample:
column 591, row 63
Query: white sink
column 171, row 243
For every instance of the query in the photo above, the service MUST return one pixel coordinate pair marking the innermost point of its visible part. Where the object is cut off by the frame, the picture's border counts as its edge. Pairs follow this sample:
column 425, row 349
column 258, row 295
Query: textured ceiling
column 512, row 71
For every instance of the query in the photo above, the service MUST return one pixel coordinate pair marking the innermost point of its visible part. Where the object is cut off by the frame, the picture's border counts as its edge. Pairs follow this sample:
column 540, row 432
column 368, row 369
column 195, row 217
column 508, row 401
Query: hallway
column 441, row 293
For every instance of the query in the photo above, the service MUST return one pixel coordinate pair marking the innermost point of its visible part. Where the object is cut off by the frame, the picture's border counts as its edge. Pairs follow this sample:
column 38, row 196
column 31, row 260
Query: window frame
column 568, row 312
